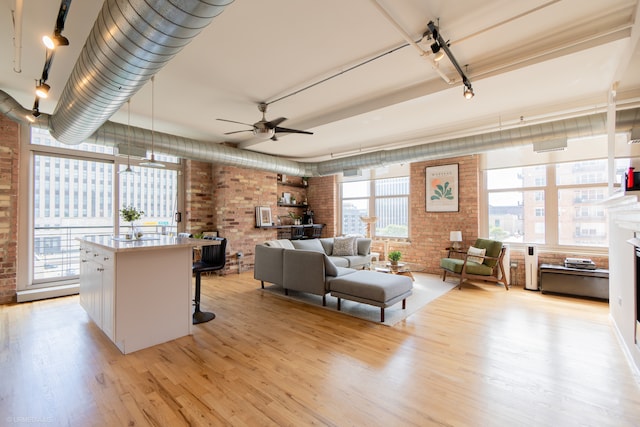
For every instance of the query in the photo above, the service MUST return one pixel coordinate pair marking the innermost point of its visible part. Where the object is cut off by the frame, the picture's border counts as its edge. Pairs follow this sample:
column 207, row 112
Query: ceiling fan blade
column 233, row 121
column 238, row 131
column 287, row 130
column 275, row 122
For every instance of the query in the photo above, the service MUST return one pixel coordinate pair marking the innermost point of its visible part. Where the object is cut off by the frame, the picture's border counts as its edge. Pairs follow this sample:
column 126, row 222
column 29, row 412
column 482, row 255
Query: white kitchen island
column 139, row 292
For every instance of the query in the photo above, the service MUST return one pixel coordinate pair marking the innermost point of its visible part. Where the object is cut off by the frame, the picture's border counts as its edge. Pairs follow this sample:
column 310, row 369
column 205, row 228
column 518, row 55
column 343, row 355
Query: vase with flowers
column 131, row 214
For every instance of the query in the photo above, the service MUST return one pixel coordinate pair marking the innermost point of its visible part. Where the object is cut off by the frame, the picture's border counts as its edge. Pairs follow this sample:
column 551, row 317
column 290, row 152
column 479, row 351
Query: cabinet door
column 94, row 291
column 108, row 295
column 84, row 278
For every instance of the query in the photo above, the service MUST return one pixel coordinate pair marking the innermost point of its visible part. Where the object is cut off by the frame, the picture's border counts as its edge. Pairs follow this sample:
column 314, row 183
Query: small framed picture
column 263, row 216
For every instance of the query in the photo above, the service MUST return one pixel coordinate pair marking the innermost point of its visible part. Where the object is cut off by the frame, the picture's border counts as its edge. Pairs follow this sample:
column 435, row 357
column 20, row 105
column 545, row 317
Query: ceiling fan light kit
column 267, row 129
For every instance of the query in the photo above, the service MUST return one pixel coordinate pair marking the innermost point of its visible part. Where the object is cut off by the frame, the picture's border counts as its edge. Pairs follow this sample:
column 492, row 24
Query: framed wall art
column 442, row 188
column 263, row 216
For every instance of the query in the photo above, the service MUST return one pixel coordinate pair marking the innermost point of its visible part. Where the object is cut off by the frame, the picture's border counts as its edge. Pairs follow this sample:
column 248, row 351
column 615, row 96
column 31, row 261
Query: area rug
column 426, row 288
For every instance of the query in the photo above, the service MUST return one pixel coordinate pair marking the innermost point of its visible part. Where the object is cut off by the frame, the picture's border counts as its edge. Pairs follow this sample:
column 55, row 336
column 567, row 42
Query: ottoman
column 373, row 288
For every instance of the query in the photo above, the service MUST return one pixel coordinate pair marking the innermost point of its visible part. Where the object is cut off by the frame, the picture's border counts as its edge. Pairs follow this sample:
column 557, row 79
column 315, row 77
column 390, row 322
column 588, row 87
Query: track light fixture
column 42, row 90
column 468, row 90
column 437, row 52
column 55, row 41
column 35, row 111
column 439, row 44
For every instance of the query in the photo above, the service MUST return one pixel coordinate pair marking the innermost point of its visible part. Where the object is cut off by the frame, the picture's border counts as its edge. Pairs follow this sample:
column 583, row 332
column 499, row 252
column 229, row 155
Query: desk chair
column 213, row 258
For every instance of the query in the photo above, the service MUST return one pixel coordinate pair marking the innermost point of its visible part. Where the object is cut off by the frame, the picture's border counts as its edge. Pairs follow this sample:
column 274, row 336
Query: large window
column 556, row 204
column 386, row 199
column 76, row 191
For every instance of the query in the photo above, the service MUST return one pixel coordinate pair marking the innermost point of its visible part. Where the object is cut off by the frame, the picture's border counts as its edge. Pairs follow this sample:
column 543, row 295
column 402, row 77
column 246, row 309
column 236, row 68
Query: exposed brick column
column 199, row 202
column 430, row 230
column 236, row 193
column 9, row 165
column 322, row 196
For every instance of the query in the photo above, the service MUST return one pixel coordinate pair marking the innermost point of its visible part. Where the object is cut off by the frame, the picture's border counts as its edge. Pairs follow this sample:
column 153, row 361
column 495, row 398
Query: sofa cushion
column 344, row 246
column 372, row 286
column 330, row 269
column 357, row 261
column 281, row 243
column 340, row 261
column 308, row 245
column 327, row 244
column 363, row 246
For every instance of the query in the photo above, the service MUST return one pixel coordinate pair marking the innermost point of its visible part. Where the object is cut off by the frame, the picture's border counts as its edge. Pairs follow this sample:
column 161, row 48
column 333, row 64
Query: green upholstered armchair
column 462, row 264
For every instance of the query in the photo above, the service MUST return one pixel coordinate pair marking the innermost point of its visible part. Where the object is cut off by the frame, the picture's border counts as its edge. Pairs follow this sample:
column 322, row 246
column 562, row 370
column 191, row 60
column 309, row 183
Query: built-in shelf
column 292, row 184
column 297, row 205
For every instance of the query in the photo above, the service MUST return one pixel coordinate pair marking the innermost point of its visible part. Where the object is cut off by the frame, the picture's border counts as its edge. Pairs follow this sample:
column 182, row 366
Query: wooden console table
column 574, row 281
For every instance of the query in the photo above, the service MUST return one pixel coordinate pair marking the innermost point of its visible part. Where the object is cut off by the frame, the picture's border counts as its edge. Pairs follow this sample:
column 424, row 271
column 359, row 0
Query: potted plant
column 131, row 214
column 394, row 257
column 295, row 218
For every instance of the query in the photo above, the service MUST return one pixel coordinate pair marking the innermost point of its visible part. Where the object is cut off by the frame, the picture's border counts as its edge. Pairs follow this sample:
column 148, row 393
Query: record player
column 583, row 263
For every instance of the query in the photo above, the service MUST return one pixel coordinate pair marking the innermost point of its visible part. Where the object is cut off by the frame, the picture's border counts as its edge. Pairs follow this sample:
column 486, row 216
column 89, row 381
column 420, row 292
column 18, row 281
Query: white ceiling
column 528, row 61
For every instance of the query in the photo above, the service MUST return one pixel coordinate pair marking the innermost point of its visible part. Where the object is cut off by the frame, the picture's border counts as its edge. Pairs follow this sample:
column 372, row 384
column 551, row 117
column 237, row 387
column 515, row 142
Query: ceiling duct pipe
column 114, row 133
column 576, row 127
column 129, row 43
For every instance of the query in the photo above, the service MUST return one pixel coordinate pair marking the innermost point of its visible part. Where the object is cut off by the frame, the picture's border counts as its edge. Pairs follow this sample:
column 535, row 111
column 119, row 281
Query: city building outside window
column 76, row 191
column 554, row 204
column 387, row 199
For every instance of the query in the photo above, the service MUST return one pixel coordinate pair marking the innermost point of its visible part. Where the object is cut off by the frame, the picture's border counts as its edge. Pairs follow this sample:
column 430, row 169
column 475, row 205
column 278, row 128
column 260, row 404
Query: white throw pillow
column 344, row 246
column 479, row 254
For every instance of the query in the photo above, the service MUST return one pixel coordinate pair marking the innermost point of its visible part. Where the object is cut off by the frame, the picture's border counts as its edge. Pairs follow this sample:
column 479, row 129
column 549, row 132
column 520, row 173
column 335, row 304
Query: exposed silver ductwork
column 133, row 39
column 114, row 134
column 129, row 43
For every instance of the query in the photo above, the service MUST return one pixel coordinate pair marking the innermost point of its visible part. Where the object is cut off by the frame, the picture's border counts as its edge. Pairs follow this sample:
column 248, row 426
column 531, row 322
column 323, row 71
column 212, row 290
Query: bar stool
column 213, row 258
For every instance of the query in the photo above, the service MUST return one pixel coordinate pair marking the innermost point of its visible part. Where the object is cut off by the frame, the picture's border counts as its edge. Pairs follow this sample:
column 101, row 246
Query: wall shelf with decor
column 292, row 193
column 285, row 205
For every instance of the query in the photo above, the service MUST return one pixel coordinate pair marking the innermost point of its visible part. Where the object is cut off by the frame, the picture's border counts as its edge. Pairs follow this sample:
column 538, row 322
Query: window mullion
column 551, row 205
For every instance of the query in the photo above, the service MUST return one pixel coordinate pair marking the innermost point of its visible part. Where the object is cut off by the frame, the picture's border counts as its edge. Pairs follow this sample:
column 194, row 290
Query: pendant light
column 128, row 170
column 152, row 163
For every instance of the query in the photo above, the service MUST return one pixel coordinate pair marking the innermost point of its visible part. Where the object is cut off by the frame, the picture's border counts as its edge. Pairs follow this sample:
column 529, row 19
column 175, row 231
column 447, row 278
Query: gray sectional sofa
column 307, row 265
column 312, row 265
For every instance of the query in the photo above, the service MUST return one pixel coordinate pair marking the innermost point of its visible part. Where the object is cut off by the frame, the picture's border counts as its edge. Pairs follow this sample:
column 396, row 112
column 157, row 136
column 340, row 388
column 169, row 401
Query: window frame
column 32, row 146
column 371, row 204
column 551, row 193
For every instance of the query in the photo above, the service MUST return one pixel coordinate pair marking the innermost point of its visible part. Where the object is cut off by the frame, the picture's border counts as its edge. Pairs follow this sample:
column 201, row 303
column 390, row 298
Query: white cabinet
column 97, row 287
column 139, row 293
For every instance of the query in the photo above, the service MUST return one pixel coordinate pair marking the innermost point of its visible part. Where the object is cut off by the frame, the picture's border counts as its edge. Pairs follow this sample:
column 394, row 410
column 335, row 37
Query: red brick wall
column 429, row 231
column 199, row 204
column 9, row 165
column 322, row 195
column 237, row 192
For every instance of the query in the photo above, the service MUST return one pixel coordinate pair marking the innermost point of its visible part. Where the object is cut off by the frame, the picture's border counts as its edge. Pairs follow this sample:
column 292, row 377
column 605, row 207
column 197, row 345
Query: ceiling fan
column 266, row 128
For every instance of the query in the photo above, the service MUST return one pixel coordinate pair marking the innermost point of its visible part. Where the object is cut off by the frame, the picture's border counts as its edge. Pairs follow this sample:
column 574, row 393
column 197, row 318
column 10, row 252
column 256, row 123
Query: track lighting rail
column 42, row 88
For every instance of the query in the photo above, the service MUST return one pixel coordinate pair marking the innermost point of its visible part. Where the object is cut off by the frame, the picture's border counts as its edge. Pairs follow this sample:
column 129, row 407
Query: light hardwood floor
column 476, row 357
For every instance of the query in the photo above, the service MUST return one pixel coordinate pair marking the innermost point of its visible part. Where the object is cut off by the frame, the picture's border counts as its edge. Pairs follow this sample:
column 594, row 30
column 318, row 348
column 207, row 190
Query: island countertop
column 151, row 242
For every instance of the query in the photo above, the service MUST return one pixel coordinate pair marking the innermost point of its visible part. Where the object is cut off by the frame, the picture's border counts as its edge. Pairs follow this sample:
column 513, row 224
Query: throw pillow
column 479, row 254
column 344, row 246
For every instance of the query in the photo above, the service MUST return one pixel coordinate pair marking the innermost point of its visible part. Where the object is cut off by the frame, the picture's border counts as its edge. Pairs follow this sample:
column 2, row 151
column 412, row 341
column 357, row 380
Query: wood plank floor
column 476, row 357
